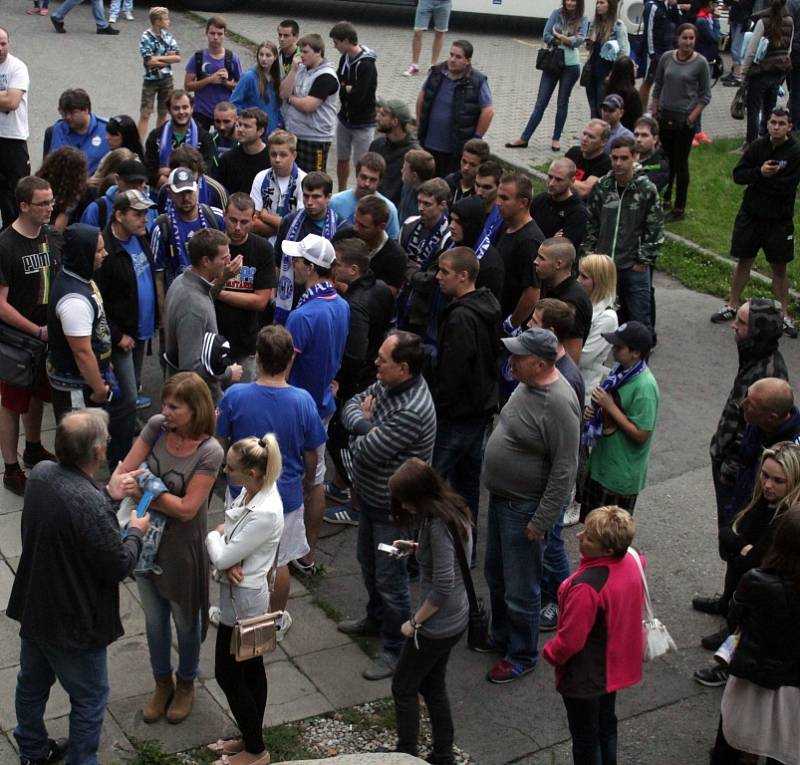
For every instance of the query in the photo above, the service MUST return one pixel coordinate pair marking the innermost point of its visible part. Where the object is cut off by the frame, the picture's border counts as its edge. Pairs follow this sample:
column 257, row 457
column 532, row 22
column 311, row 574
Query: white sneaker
column 282, row 628
column 213, row 615
column 112, row 19
column 573, row 514
column 411, row 71
column 129, row 16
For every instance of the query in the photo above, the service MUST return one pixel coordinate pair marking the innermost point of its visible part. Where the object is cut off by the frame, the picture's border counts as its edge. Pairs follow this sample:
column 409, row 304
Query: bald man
column 559, row 211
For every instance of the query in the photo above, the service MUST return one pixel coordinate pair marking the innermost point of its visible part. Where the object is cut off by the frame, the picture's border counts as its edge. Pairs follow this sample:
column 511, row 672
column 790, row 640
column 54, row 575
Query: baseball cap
column 133, row 199
column 613, row 101
column 215, row 354
column 315, row 249
column 182, row 179
column 533, row 342
column 132, row 170
column 632, row 334
column 396, row 108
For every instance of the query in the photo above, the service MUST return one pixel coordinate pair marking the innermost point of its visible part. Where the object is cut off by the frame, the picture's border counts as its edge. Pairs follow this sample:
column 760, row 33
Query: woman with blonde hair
column 597, row 274
column 744, row 542
column 245, row 548
column 259, row 86
column 106, row 173
column 179, row 447
column 607, row 41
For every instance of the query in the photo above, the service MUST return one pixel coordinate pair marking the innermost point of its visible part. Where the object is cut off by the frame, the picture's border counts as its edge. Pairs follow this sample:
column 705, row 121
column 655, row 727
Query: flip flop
column 32, row 12
column 43, row 12
column 226, row 746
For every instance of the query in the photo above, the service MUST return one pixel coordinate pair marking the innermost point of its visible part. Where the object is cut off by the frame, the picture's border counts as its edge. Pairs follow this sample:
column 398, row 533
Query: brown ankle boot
column 157, row 706
column 182, row 701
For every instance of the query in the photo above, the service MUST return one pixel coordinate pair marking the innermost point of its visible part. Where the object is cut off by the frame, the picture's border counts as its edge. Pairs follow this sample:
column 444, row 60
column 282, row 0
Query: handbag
column 22, row 357
column 657, row 641
column 255, row 636
column 478, row 626
column 739, row 103
column 550, row 59
column 586, row 74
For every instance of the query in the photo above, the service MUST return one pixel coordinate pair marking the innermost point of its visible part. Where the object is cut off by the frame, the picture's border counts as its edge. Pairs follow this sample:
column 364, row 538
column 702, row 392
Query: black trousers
column 677, row 145
column 244, row 684
column 724, row 754
column 422, row 670
column 14, row 164
column 593, row 727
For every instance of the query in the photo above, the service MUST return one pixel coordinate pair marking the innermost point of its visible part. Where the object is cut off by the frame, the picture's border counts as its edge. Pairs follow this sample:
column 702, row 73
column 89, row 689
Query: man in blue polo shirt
column 78, row 128
column 319, row 326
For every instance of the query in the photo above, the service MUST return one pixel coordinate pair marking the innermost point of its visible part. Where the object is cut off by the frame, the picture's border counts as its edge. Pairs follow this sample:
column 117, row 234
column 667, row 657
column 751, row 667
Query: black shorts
column 751, row 234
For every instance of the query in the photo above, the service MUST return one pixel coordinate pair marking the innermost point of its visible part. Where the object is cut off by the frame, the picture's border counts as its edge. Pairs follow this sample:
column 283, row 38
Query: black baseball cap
column 632, row 334
column 132, row 170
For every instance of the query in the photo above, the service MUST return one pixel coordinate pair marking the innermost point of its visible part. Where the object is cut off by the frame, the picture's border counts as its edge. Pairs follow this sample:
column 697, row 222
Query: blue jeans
column 127, row 7
column 97, row 11
column 157, row 613
column 737, row 38
column 556, row 563
column 762, row 95
column 593, row 727
column 635, row 296
column 385, row 577
column 458, row 456
column 83, row 675
column 513, row 571
column 122, row 410
column 566, row 82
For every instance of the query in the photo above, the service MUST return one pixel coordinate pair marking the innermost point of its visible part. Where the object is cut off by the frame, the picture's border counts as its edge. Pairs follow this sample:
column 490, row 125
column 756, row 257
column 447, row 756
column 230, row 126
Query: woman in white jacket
column 597, row 274
column 244, row 548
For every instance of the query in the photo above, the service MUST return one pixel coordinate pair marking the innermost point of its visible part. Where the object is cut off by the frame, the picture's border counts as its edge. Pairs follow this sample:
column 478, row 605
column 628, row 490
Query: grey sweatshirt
column 441, row 582
column 680, row 87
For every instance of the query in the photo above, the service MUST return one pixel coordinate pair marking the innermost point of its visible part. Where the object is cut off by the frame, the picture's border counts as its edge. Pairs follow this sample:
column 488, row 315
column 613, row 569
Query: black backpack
column 198, row 62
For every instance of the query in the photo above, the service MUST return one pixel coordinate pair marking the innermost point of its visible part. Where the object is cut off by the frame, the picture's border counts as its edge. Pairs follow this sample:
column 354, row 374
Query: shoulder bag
column 22, row 357
column 657, row 641
column 478, row 626
column 739, row 103
column 255, row 636
column 550, row 59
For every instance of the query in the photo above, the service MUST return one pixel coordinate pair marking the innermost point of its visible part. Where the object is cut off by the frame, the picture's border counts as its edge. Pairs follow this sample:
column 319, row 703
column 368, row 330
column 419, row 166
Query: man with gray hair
column 529, row 469
column 66, row 592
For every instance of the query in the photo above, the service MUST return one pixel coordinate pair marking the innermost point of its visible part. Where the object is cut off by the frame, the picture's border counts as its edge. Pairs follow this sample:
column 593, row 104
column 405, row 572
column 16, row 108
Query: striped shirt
column 403, row 425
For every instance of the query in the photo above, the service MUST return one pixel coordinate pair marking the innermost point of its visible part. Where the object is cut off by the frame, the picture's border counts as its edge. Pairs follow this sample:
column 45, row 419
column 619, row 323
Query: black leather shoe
column 109, row 30
column 707, row 605
column 58, row 26
column 56, row 749
column 715, row 640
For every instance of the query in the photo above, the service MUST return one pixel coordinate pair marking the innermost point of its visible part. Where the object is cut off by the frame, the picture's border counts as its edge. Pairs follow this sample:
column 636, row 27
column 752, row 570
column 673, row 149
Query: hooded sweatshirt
column 759, row 357
column 465, row 386
column 357, row 108
column 472, row 213
column 74, row 283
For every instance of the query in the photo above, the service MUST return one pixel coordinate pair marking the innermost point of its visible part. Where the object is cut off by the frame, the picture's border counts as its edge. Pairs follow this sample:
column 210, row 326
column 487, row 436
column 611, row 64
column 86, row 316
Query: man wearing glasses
column 29, row 258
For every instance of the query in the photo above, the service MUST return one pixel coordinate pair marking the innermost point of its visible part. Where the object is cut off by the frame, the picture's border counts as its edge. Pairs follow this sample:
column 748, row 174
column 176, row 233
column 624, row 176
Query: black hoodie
column 465, row 385
column 75, row 278
column 357, row 107
column 472, row 213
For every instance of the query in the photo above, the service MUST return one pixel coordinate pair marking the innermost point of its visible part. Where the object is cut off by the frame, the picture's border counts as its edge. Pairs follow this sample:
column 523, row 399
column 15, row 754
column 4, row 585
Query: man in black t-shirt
column 247, row 294
column 239, row 166
column 591, row 161
column 29, row 258
column 387, row 259
column 554, row 268
column 559, row 211
column 518, row 244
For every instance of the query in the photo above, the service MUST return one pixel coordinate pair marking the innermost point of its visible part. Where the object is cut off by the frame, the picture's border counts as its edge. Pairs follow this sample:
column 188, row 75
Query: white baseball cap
column 315, row 249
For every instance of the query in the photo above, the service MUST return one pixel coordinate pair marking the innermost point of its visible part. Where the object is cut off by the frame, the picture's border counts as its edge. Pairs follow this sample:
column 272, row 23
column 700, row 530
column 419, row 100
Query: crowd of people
column 433, row 331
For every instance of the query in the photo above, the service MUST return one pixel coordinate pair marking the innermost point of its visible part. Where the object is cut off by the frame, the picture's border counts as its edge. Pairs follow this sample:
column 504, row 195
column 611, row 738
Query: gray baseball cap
column 533, row 342
column 133, row 199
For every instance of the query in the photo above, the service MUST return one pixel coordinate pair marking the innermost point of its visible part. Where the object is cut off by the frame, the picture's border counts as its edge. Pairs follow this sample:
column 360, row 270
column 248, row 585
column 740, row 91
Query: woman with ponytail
column 244, row 549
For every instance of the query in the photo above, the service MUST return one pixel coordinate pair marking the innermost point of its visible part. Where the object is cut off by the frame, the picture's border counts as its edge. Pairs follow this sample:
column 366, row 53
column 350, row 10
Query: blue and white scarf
column 180, row 251
column 617, row 377
column 489, row 232
column 322, row 290
column 422, row 244
column 269, row 185
column 285, row 297
column 167, row 138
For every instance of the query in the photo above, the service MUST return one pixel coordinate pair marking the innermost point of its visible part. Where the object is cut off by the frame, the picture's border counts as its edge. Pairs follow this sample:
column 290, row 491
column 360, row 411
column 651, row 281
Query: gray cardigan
column 680, row 87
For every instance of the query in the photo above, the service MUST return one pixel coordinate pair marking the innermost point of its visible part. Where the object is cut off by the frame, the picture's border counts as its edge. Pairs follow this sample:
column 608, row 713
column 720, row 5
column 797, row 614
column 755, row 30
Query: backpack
column 162, row 223
column 198, row 62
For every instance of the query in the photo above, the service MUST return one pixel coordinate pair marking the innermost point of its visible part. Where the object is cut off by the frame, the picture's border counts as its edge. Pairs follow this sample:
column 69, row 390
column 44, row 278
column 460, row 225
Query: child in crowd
column 37, row 9
column 277, row 191
column 159, row 52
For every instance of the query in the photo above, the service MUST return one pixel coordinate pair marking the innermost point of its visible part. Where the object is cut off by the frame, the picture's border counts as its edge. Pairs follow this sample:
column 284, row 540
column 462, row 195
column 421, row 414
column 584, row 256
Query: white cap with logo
column 315, row 249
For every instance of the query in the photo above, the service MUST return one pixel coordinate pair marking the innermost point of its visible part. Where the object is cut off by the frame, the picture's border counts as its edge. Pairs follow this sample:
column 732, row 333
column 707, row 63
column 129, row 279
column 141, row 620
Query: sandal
column 510, row 145
column 43, row 12
column 226, row 746
column 32, row 12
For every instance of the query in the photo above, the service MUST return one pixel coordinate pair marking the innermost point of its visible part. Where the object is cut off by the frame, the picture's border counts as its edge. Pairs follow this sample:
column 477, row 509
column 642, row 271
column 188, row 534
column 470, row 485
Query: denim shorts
column 438, row 9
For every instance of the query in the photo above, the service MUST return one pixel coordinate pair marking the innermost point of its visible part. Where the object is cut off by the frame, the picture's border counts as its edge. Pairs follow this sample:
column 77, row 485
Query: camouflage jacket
column 759, row 357
column 629, row 226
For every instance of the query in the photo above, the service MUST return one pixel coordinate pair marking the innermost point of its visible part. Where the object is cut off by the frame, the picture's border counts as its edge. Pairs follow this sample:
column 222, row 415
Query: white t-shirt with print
column 14, row 76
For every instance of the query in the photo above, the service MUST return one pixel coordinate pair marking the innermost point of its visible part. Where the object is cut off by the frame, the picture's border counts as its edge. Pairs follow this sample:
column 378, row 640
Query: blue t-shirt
column 144, row 288
column 250, row 409
column 92, row 215
column 208, row 97
column 440, row 123
column 173, row 256
column 319, row 332
column 344, row 205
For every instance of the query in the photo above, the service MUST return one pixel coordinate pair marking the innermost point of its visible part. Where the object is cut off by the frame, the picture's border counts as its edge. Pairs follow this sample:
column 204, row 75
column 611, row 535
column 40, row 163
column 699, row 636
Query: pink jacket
column 599, row 646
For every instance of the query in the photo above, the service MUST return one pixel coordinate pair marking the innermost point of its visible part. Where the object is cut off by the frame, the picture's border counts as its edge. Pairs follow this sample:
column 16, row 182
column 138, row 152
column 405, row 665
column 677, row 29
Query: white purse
column 657, row 641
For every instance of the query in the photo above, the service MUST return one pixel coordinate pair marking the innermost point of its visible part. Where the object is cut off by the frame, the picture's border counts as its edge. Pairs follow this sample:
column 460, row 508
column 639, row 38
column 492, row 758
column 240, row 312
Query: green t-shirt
column 616, row 462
